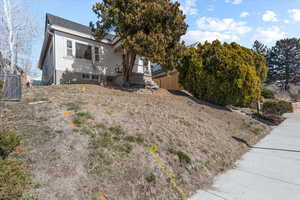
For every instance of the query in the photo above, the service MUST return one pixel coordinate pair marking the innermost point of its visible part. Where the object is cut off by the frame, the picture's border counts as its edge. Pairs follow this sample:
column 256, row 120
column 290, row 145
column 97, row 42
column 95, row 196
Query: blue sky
column 242, row 21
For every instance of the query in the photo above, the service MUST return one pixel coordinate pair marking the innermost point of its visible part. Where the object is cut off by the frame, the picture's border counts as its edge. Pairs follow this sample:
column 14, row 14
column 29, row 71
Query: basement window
column 83, row 51
column 86, row 76
column 95, row 77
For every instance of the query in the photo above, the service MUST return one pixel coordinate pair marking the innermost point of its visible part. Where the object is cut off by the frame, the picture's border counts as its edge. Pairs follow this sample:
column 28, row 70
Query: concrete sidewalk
column 269, row 171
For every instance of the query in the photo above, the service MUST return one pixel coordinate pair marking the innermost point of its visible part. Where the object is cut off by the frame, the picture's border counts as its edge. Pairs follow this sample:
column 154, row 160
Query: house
column 70, row 54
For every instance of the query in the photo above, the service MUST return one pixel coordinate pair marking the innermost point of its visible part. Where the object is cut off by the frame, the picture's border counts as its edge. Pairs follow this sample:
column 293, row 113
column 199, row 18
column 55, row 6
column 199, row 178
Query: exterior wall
column 110, row 60
column 48, row 67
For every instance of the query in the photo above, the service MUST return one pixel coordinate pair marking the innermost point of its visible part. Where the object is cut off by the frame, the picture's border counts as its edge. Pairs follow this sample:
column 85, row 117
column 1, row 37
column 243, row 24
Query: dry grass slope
column 108, row 152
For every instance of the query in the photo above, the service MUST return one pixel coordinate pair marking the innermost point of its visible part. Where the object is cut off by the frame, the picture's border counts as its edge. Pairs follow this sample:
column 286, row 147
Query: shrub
column 1, row 88
column 224, row 74
column 9, row 140
column 268, row 94
column 13, row 179
column 277, row 107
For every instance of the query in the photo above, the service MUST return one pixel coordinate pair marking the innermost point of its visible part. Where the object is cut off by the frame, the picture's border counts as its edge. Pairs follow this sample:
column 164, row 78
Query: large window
column 83, row 51
column 69, row 48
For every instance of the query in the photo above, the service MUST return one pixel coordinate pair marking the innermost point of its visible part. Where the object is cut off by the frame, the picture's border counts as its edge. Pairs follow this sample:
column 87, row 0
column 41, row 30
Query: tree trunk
column 128, row 64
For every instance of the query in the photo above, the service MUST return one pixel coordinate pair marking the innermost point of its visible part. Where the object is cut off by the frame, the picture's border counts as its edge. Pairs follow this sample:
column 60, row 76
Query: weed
column 183, row 157
column 29, row 196
column 71, row 106
column 137, row 139
column 151, row 178
column 9, row 140
column 13, row 179
column 81, row 117
column 117, row 130
column 257, row 131
column 78, row 121
column 86, row 115
column 126, row 148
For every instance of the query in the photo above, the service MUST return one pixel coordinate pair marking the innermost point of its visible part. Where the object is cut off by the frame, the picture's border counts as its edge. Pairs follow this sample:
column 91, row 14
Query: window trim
column 69, row 48
column 85, row 74
column 97, row 53
column 90, row 46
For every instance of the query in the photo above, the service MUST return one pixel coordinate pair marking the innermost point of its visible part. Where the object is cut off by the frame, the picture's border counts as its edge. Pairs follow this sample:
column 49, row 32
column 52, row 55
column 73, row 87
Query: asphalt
column 269, row 171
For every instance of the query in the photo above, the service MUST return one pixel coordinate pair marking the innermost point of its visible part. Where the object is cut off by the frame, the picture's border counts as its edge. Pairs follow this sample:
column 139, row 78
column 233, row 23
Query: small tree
column 147, row 28
column 284, row 62
column 223, row 73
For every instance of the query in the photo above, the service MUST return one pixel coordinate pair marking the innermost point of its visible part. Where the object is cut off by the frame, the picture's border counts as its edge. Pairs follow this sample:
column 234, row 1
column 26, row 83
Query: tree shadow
column 263, row 148
column 194, row 99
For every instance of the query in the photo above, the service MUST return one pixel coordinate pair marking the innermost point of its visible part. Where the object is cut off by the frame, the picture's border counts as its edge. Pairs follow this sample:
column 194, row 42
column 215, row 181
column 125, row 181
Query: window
column 69, row 48
column 86, row 76
column 95, row 77
column 83, row 51
column 97, row 55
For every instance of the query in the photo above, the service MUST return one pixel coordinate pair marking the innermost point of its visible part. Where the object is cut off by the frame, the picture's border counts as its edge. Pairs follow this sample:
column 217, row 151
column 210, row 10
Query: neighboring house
column 70, row 54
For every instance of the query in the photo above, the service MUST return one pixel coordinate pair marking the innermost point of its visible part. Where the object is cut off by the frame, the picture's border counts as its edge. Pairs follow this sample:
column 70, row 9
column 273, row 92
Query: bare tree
column 17, row 30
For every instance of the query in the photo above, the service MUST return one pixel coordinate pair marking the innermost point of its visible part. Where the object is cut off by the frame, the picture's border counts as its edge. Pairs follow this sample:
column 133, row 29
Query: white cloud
column 223, row 25
column 201, row 36
column 213, row 28
column 189, row 7
column 269, row 35
column 295, row 14
column 269, row 16
column 236, row 2
column 244, row 14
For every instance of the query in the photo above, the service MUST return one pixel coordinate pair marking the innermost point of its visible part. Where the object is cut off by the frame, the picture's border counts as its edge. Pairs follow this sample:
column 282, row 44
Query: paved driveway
column 269, row 171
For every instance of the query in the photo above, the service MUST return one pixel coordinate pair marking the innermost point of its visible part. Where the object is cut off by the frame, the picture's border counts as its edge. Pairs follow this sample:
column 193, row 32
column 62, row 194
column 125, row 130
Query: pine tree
column 284, row 62
column 260, row 48
column 149, row 28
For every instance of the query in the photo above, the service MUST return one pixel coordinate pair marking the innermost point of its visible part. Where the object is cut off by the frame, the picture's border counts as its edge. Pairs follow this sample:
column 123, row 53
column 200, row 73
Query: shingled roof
column 55, row 20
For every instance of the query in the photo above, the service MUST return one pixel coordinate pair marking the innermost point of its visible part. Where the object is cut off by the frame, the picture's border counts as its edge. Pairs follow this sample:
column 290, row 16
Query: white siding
column 109, row 59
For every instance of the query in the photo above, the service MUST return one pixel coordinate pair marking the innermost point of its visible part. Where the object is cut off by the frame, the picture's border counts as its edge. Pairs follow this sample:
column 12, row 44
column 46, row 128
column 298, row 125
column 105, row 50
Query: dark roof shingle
column 55, row 20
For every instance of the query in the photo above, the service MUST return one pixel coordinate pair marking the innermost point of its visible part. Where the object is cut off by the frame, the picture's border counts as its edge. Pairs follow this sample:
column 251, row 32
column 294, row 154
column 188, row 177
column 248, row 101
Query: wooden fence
column 169, row 82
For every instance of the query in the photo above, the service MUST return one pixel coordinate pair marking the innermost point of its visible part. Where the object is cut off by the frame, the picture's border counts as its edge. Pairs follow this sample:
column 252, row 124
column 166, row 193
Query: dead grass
column 109, row 152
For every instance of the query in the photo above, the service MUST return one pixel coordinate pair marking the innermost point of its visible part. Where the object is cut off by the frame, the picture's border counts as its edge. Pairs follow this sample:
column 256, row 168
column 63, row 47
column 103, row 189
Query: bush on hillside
column 268, row 94
column 277, row 107
column 9, row 140
column 224, row 74
column 13, row 179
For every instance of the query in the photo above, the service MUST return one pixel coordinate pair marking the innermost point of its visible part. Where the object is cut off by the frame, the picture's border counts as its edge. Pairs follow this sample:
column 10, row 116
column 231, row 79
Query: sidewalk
column 269, row 171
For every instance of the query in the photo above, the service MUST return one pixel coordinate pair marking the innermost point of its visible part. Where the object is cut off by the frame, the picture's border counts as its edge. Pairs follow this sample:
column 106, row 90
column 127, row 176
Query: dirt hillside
column 88, row 142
